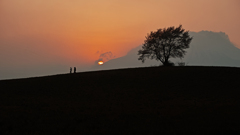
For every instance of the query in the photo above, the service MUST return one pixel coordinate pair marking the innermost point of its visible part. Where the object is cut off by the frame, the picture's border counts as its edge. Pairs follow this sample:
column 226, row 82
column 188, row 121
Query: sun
column 100, row 62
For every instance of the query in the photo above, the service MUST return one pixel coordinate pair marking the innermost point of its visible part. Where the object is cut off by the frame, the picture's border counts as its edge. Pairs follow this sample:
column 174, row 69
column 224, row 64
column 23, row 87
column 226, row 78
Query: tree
column 164, row 44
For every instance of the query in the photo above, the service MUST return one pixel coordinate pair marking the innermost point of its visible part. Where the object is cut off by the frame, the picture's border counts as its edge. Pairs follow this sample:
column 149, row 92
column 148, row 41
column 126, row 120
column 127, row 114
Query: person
column 75, row 69
column 70, row 70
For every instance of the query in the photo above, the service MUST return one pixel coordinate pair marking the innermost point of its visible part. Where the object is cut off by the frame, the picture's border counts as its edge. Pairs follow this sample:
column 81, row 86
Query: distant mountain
column 206, row 49
column 212, row 49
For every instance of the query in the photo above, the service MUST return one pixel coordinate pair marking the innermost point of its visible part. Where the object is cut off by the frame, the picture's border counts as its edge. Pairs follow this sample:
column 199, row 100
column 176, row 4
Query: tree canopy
column 164, row 44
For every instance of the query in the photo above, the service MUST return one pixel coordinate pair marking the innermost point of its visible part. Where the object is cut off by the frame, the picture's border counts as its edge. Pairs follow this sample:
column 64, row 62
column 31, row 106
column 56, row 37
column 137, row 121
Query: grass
column 153, row 100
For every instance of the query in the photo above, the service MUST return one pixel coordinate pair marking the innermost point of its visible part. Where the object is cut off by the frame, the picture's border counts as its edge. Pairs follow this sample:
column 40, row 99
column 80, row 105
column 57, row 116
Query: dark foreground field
column 154, row 100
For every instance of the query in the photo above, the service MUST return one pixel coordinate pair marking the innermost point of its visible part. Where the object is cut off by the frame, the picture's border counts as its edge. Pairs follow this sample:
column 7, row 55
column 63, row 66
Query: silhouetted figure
column 70, row 70
column 75, row 69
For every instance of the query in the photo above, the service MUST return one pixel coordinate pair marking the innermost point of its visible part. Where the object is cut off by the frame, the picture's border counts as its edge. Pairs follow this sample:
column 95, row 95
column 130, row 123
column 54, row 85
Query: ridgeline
column 153, row 100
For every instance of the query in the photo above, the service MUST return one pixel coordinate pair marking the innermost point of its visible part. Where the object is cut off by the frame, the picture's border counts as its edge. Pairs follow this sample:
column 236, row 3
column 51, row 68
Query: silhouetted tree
column 164, row 44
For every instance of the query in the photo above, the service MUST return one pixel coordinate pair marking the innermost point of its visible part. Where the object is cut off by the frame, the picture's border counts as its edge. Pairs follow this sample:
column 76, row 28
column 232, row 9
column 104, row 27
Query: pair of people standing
column 75, row 69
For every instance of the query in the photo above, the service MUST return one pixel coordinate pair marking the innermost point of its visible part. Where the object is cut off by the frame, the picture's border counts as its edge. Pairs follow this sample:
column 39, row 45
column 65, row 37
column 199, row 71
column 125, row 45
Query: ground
column 152, row 100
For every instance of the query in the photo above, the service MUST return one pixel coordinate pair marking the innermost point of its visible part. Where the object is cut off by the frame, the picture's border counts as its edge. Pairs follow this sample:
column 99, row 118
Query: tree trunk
column 167, row 63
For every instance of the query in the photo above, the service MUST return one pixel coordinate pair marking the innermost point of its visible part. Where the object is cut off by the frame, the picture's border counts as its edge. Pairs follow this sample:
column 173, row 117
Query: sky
column 44, row 35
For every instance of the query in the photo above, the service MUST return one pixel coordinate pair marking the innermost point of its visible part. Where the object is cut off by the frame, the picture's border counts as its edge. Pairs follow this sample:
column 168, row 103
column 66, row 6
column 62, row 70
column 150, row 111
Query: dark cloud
column 105, row 57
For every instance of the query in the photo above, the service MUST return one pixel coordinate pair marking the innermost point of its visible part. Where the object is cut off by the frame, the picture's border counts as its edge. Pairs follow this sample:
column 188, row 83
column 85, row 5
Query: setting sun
column 100, row 62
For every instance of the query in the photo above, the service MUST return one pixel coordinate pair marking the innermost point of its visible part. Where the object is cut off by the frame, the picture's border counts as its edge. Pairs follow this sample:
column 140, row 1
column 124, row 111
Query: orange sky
column 73, row 31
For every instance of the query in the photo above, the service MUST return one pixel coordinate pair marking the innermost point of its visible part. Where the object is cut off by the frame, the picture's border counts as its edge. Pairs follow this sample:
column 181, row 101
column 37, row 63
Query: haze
column 48, row 37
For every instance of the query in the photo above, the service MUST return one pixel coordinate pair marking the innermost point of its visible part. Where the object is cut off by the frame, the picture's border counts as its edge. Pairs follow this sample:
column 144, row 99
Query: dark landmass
column 153, row 100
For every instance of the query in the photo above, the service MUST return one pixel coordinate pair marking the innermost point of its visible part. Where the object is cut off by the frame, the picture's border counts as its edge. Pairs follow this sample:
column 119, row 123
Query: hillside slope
column 154, row 100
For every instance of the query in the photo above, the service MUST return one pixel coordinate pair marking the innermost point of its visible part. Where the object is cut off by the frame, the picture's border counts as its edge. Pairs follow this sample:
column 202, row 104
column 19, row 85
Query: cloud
column 105, row 57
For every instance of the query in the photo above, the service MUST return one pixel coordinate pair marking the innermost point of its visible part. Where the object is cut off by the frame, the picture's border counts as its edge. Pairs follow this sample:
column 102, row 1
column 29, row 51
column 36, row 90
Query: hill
column 153, row 100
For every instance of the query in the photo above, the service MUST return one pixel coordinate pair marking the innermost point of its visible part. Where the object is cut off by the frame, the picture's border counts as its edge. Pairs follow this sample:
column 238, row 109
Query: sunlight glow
column 100, row 62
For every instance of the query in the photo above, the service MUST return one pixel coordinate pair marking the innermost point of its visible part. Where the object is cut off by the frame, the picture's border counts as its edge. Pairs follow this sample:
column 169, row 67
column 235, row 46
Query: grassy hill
column 153, row 100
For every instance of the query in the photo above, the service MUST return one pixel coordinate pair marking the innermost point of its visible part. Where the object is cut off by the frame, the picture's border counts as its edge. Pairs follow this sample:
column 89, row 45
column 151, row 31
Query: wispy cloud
column 105, row 57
